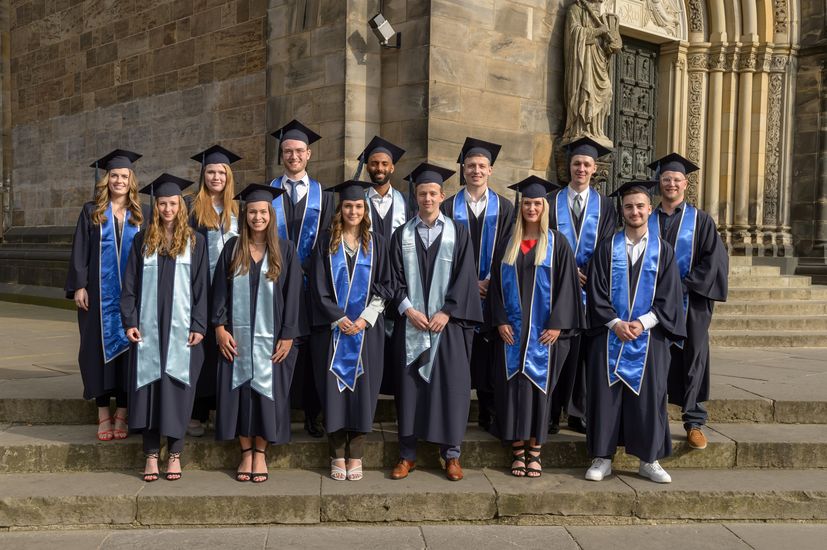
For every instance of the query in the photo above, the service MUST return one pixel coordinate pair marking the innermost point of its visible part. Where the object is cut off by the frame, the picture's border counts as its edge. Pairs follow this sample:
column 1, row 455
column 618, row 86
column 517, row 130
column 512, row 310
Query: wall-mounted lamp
column 384, row 31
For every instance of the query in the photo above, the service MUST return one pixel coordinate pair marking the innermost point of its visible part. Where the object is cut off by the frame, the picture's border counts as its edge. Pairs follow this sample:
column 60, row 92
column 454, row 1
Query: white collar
column 439, row 220
column 643, row 239
column 572, row 193
column 305, row 179
column 469, row 198
column 372, row 192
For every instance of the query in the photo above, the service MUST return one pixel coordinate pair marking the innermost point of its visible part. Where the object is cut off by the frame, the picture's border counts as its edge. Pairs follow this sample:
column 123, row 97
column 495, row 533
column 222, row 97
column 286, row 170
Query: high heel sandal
column 151, row 476
column 263, row 475
column 105, row 435
column 355, row 473
column 249, row 474
column 531, row 459
column 120, row 433
column 518, row 455
column 173, row 476
column 337, row 472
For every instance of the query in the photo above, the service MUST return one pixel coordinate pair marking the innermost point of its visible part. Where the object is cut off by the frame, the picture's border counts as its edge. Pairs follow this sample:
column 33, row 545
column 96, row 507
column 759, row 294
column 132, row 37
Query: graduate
column 100, row 247
column 535, row 305
column 349, row 284
column 257, row 291
column 213, row 214
column 488, row 216
column 437, row 292
column 164, row 312
column 704, row 268
column 585, row 218
column 635, row 314
column 303, row 213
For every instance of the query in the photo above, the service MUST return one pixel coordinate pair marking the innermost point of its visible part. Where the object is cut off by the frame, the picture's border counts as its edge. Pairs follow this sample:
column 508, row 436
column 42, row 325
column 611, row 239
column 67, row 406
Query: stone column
column 5, row 119
column 712, row 181
column 820, row 233
column 672, row 98
column 740, row 225
column 697, row 63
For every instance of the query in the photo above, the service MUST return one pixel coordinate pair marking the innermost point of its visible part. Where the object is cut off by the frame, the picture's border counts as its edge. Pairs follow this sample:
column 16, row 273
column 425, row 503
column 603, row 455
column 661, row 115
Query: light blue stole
column 216, row 239
column 310, row 218
column 684, row 244
column 149, row 348
column 535, row 363
column 418, row 342
column 352, row 296
column 488, row 240
column 398, row 214
column 112, row 264
column 255, row 343
column 626, row 361
column 584, row 242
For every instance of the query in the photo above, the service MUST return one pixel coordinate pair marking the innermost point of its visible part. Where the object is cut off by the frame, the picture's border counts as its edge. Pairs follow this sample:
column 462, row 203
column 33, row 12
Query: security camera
column 384, row 31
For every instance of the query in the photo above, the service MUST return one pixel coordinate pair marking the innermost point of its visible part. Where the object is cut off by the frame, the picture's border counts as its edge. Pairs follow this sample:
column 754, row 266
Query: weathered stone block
column 458, row 68
column 444, row 101
column 510, row 79
column 513, row 20
column 405, row 102
column 173, row 57
column 413, row 66
column 487, row 109
column 479, row 13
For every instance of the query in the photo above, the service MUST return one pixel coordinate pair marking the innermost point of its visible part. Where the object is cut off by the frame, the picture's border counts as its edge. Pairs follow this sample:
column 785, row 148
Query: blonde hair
column 517, row 237
column 155, row 240
column 202, row 207
column 242, row 259
column 102, row 200
column 337, row 226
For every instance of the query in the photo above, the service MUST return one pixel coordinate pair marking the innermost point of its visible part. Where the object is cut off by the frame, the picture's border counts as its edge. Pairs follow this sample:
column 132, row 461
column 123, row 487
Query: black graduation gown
column 522, row 409
column 99, row 378
column 243, row 411
column 165, row 405
column 616, row 415
column 570, row 394
column 438, row 411
column 706, row 284
column 481, row 364
column 349, row 410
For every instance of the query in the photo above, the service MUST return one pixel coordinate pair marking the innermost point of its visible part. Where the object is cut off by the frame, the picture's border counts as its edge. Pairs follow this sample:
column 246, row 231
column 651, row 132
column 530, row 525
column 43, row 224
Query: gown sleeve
column 324, row 307
column 495, row 302
column 292, row 292
column 220, row 314
column 200, row 286
column 78, row 275
column 130, row 286
column 708, row 278
column 462, row 299
column 668, row 302
column 507, row 213
column 599, row 288
column 397, row 271
column 567, row 313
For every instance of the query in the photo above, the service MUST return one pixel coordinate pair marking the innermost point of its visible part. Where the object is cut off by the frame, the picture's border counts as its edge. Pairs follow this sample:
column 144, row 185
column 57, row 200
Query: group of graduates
column 289, row 299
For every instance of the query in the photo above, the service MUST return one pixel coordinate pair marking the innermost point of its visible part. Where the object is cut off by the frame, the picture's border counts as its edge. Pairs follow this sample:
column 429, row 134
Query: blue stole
column 398, row 207
column 352, row 296
column 310, row 219
column 584, row 242
column 216, row 238
column 149, row 348
column 684, row 244
column 488, row 240
column 626, row 361
column 417, row 341
column 535, row 363
column 112, row 264
column 255, row 343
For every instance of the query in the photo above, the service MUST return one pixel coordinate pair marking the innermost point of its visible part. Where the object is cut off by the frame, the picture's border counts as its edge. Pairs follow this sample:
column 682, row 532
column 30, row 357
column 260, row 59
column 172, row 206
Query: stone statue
column 665, row 14
column 591, row 40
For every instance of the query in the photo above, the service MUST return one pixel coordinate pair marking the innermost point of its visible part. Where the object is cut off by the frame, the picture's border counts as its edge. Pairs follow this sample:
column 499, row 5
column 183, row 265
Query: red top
column 527, row 244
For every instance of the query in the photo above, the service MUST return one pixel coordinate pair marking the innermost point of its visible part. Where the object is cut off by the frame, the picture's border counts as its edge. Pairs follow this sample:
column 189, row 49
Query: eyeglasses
column 291, row 152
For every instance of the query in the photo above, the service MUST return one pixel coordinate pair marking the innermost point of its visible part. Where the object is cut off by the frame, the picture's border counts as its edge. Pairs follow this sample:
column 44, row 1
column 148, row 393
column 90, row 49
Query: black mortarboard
column 380, row 145
column 429, row 173
column 473, row 147
column 534, row 187
column 673, row 162
column 643, row 186
column 256, row 192
column 351, row 190
column 119, row 158
column 166, row 185
column 215, row 155
column 587, row 146
column 296, row 130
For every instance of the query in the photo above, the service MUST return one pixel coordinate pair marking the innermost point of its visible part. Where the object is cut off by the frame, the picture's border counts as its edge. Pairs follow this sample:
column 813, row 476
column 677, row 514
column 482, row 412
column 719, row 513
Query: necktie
column 576, row 207
column 294, row 194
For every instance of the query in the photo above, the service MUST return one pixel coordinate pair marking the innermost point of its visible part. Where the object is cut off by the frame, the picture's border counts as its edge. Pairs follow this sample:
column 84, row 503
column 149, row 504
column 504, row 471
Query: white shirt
column 584, row 195
column 427, row 234
column 382, row 204
column 374, row 307
column 301, row 188
column 634, row 250
column 477, row 207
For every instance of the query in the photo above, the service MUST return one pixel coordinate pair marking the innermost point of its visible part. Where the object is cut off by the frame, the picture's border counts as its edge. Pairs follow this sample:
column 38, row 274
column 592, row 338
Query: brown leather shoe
column 453, row 470
column 402, row 468
column 696, row 438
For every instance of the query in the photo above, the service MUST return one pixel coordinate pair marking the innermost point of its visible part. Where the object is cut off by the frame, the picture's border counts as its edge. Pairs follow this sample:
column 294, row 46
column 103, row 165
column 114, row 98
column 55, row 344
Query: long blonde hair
column 242, row 259
column 202, row 208
column 155, row 240
column 513, row 248
column 337, row 226
column 102, row 200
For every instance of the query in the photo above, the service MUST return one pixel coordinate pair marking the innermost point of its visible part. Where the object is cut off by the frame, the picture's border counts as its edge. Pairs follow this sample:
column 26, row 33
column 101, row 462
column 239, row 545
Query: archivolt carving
column 773, row 155
column 696, row 17
column 693, row 149
column 780, row 16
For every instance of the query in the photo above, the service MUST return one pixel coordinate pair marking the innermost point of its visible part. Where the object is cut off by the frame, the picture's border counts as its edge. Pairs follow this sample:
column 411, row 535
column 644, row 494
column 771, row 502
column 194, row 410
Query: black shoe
column 314, row 427
column 553, row 428
column 484, row 420
column 577, row 424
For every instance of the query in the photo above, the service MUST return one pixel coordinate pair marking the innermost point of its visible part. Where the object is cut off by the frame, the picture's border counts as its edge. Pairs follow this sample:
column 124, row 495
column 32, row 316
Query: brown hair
column 337, row 226
column 133, row 203
column 202, row 207
column 155, row 239
column 242, row 259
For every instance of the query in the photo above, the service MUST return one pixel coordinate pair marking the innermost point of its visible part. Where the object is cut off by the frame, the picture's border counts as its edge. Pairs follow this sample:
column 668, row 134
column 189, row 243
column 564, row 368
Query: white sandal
column 337, row 472
column 355, row 473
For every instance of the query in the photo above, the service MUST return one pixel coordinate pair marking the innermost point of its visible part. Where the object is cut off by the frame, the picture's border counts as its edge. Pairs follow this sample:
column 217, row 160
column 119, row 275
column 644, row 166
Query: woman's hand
column 82, row 299
column 356, row 327
column 133, row 335
column 194, row 339
column 282, row 349
column 226, row 343
column 549, row 336
column 507, row 334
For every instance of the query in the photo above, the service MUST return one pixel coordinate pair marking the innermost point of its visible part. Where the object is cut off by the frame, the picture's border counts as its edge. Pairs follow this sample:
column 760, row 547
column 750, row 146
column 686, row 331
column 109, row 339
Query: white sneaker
column 195, row 428
column 600, row 468
column 654, row 471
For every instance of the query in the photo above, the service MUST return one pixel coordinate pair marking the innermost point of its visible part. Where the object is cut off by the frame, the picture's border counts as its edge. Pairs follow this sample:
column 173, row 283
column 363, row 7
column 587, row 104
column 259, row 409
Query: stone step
column 767, row 339
column 771, row 307
column 200, row 498
column 762, row 270
column 754, row 293
column 780, row 322
column 56, row 448
column 771, row 281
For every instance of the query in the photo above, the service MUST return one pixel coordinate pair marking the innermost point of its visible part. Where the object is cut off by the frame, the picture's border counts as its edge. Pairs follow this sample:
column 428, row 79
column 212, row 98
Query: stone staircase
column 768, row 309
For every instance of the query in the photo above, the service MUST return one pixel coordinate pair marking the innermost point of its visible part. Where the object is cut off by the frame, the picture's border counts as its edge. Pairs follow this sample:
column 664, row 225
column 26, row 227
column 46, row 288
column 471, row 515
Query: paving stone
column 446, row 537
column 139, row 539
column 65, row 540
column 773, row 536
column 657, row 537
column 363, row 537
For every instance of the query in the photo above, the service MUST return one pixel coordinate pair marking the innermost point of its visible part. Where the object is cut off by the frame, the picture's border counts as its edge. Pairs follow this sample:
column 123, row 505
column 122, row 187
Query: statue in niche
column 591, row 40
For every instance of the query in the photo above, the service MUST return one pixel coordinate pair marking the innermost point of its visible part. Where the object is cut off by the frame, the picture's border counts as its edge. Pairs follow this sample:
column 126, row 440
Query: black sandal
column 531, row 459
column 248, row 474
column 518, row 455
column 149, row 477
column 171, row 476
column 265, row 476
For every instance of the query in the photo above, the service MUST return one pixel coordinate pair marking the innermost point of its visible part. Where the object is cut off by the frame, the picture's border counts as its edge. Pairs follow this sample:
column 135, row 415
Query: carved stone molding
column 698, row 61
column 780, row 16
column 773, row 154
column 696, row 16
column 717, row 61
column 731, row 63
column 779, row 63
column 747, row 61
column 694, row 131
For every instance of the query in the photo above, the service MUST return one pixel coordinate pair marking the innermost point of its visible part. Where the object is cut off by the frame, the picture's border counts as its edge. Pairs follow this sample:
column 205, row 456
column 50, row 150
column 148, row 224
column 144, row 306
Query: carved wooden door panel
column 632, row 123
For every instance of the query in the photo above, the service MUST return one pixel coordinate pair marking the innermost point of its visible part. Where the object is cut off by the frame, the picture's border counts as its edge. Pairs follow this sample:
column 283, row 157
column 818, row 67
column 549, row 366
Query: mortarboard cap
column 351, row 190
column 673, row 162
column 296, row 130
column 642, row 186
column 429, row 173
column 215, row 155
column 534, row 187
column 587, row 146
column 256, row 192
column 166, row 185
column 119, row 158
column 380, row 145
column 473, row 147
